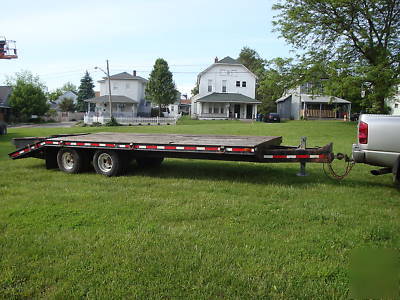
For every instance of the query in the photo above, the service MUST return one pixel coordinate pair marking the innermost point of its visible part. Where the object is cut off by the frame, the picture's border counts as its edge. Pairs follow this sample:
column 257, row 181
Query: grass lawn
column 191, row 229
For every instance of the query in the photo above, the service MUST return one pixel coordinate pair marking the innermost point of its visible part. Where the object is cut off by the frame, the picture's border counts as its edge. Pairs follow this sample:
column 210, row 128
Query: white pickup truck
column 379, row 144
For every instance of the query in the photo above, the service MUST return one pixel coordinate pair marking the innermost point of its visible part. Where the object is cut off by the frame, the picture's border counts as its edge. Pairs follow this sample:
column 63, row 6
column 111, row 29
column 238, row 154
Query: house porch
column 227, row 110
column 325, row 111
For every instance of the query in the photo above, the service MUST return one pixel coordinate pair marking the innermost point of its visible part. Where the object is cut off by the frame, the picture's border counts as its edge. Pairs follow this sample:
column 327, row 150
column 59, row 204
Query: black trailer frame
column 63, row 151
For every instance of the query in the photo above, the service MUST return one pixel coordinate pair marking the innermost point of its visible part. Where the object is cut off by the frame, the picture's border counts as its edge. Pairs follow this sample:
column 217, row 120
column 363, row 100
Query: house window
column 396, row 105
column 172, row 108
column 209, row 86
column 244, row 83
column 224, row 86
column 238, row 83
column 216, row 109
column 222, row 109
column 210, row 109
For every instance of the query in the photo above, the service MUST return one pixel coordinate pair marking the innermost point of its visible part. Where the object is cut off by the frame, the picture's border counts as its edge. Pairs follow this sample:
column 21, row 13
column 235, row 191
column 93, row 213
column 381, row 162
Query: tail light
column 363, row 133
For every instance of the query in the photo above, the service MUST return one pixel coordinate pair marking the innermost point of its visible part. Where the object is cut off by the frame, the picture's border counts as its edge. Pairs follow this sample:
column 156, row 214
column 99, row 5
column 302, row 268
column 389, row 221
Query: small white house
column 227, row 89
column 127, row 98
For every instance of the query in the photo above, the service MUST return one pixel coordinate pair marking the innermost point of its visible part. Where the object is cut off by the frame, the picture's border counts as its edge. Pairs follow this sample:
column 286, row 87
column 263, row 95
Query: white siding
column 133, row 89
column 230, row 73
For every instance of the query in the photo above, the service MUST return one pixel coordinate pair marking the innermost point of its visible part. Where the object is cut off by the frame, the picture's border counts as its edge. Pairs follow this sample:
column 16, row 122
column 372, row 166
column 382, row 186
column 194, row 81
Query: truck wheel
column 108, row 163
column 149, row 162
column 70, row 161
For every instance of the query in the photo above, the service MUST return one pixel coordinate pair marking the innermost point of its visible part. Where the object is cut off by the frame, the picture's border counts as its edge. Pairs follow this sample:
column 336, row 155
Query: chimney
column 134, row 72
column 216, row 59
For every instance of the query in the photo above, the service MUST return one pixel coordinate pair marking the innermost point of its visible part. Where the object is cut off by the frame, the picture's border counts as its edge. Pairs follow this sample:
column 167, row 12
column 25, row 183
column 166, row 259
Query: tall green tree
column 366, row 33
column 85, row 91
column 279, row 76
column 252, row 60
column 69, row 87
column 274, row 77
column 28, row 96
column 67, row 104
column 160, row 88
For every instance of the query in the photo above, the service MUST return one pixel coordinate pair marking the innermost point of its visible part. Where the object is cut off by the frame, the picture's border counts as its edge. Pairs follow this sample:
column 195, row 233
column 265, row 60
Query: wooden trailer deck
column 264, row 142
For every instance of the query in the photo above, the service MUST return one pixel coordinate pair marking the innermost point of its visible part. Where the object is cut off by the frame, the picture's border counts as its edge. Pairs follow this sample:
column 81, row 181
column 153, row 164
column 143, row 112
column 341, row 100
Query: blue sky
column 59, row 40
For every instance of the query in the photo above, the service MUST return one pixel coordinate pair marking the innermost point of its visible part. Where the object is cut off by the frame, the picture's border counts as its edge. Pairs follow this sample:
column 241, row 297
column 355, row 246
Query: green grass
column 191, row 229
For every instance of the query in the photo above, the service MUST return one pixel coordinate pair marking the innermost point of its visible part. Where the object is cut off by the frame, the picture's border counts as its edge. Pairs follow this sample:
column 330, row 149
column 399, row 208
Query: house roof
column 227, row 97
column 316, row 99
column 228, row 60
column 67, row 94
column 115, row 99
column 124, row 76
column 5, row 92
column 323, row 99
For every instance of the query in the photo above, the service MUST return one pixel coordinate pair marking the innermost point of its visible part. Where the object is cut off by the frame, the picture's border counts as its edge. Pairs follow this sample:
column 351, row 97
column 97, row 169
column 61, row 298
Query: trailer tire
column 149, row 162
column 108, row 163
column 70, row 161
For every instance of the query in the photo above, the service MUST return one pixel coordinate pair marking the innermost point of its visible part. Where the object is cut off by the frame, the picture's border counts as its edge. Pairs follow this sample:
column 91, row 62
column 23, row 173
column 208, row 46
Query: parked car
column 272, row 117
column 379, row 144
column 3, row 128
column 354, row 117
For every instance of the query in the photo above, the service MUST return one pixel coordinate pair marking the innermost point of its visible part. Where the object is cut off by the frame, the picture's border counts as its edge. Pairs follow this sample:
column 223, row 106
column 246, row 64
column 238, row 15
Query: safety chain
column 330, row 172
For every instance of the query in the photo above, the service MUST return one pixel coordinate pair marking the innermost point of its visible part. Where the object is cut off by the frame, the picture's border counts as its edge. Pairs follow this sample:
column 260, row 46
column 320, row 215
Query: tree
column 160, row 88
column 274, row 77
column 28, row 96
column 279, row 76
column 252, row 61
column 364, row 33
column 85, row 91
column 69, row 87
column 195, row 90
column 67, row 104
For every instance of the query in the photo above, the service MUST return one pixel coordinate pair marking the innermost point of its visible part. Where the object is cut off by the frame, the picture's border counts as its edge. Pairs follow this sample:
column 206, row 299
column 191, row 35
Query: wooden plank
column 176, row 139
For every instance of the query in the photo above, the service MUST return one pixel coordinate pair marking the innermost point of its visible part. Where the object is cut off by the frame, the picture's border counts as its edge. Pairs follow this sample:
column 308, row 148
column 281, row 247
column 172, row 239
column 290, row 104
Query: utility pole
column 109, row 85
column 109, row 89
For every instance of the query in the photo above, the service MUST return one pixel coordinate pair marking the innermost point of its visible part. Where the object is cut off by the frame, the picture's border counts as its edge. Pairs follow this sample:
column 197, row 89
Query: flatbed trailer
column 110, row 153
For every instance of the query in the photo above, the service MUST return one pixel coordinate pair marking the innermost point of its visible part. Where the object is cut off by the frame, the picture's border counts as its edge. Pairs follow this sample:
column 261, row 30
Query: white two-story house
column 227, row 90
column 127, row 97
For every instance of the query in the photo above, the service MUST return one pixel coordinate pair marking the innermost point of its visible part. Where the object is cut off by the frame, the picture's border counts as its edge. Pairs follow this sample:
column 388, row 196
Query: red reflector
column 363, row 133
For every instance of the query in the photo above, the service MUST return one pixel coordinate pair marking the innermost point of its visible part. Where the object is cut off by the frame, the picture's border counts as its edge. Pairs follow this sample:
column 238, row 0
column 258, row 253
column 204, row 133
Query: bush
column 112, row 122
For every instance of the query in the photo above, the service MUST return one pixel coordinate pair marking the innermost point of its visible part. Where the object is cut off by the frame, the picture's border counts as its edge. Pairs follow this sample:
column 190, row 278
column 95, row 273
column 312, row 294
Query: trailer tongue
column 110, row 153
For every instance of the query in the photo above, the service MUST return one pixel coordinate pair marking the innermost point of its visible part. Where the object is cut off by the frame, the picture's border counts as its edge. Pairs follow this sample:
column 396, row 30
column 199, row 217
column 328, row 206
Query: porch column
column 245, row 111
column 254, row 111
column 200, row 110
column 320, row 110
column 305, row 111
column 349, row 116
column 227, row 105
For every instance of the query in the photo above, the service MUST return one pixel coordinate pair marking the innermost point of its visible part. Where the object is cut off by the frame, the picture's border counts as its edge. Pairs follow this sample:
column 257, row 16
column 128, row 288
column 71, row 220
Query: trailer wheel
column 149, row 162
column 70, row 160
column 108, row 163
